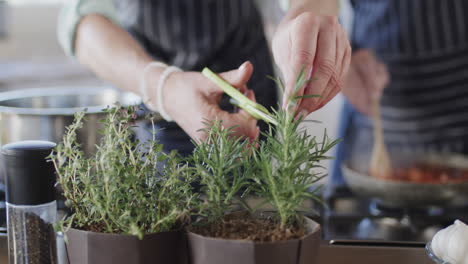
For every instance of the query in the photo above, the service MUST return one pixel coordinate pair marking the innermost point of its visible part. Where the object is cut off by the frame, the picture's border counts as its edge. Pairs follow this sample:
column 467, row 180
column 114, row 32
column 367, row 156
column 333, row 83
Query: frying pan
column 408, row 194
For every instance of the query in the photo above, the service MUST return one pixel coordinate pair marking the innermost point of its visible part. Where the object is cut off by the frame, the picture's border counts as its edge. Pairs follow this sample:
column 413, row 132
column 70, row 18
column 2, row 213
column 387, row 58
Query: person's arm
column 111, row 53
column 71, row 14
column 310, row 38
column 89, row 31
column 189, row 98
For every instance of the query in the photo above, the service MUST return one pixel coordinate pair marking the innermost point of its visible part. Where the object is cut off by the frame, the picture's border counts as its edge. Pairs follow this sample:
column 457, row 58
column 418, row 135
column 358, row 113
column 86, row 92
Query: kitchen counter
column 335, row 254
column 340, row 254
column 3, row 249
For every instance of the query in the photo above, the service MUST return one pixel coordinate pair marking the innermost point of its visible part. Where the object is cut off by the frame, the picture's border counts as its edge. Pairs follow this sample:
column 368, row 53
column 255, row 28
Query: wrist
column 152, row 95
column 152, row 77
column 295, row 10
column 149, row 76
column 319, row 7
column 169, row 93
column 161, row 86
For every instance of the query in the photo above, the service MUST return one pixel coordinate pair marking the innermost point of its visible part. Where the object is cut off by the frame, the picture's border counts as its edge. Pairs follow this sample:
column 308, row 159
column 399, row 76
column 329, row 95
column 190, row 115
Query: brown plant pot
column 208, row 250
column 85, row 247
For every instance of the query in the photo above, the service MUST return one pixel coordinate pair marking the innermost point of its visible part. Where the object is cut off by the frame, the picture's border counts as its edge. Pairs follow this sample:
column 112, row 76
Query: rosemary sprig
column 119, row 189
column 287, row 167
column 221, row 163
column 288, row 162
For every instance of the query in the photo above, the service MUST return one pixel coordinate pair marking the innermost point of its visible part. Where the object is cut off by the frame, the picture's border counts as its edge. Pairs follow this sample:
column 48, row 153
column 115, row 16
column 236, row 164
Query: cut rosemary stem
column 256, row 110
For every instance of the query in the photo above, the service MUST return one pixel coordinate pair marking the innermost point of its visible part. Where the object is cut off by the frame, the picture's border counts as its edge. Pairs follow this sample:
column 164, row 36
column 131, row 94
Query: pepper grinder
column 30, row 200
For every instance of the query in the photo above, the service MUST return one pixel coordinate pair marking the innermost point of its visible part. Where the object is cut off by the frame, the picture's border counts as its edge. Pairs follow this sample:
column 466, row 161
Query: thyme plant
column 119, row 189
column 221, row 164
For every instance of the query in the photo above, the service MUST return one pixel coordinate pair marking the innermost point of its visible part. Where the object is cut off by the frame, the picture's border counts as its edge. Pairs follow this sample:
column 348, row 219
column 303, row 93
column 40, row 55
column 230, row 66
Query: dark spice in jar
column 34, row 238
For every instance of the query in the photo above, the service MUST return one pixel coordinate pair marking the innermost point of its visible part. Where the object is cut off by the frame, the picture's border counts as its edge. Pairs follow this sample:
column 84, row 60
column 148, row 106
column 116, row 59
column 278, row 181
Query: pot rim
column 110, row 235
column 60, row 91
column 315, row 228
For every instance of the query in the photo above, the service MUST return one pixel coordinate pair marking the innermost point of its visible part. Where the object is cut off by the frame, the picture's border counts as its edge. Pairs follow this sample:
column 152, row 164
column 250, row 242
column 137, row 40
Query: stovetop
column 363, row 231
column 346, row 217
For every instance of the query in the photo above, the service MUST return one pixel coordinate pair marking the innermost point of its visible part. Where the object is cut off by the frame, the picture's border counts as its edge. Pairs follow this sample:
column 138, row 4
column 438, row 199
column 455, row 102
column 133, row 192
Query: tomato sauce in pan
column 426, row 173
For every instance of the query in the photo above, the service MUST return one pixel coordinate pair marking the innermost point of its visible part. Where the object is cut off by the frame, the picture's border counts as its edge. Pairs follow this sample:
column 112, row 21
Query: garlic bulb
column 451, row 243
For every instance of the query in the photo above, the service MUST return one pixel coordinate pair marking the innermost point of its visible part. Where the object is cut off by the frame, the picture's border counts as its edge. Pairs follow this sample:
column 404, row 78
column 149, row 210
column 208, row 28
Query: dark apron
column 219, row 34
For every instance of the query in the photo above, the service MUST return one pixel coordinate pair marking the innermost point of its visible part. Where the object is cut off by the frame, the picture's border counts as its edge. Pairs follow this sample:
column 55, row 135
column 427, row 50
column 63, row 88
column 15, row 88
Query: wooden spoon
column 380, row 164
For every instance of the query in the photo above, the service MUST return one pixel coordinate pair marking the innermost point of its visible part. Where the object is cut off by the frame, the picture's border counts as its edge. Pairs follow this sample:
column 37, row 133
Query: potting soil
column 243, row 226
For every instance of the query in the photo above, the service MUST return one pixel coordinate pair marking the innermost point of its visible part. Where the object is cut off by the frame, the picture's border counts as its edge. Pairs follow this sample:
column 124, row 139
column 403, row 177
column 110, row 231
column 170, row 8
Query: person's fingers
column 251, row 95
column 372, row 80
column 346, row 63
column 364, row 72
column 368, row 75
column 304, row 37
column 354, row 88
column 253, row 122
column 347, row 60
column 237, row 78
column 343, row 65
column 335, row 83
column 341, row 49
column 374, row 74
column 257, row 132
column 362, row 54
column 246, row 129
column 243, row 89
column 324, row 65
column 242, row 123
column 384, row 78
column 242, row 127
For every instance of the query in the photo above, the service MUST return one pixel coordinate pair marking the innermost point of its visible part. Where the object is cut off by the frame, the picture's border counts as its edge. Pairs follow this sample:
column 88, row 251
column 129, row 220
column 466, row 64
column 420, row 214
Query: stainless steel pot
column 44, row 113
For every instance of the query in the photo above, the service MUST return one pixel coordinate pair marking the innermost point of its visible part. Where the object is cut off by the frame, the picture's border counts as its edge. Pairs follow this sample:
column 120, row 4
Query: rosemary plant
column 119, row 189
column 288, row 162
column 221, row 164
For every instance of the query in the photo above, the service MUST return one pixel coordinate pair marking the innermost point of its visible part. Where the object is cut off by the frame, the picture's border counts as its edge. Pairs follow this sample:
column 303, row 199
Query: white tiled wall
column 31, row 33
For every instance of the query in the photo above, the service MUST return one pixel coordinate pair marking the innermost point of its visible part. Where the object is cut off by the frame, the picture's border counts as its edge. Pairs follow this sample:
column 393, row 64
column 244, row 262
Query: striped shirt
column 220, row 34
column 424, row 43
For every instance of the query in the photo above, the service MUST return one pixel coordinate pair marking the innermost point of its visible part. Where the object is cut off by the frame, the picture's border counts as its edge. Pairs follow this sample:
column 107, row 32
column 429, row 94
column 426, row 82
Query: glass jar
column 31, row 235
column 31, row 204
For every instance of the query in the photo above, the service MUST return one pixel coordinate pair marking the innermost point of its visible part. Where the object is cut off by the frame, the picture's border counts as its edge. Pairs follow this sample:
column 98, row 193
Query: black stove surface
column 349, row 218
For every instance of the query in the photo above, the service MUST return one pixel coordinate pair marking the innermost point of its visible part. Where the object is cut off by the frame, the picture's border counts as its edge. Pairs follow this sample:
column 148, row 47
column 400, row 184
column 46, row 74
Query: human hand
column 318, row 45
column 191, row 100
column 366, row 79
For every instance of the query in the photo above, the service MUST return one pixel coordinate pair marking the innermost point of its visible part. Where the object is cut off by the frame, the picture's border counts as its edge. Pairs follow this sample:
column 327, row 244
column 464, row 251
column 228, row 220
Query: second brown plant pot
column 208, row 250
column 85, row 247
